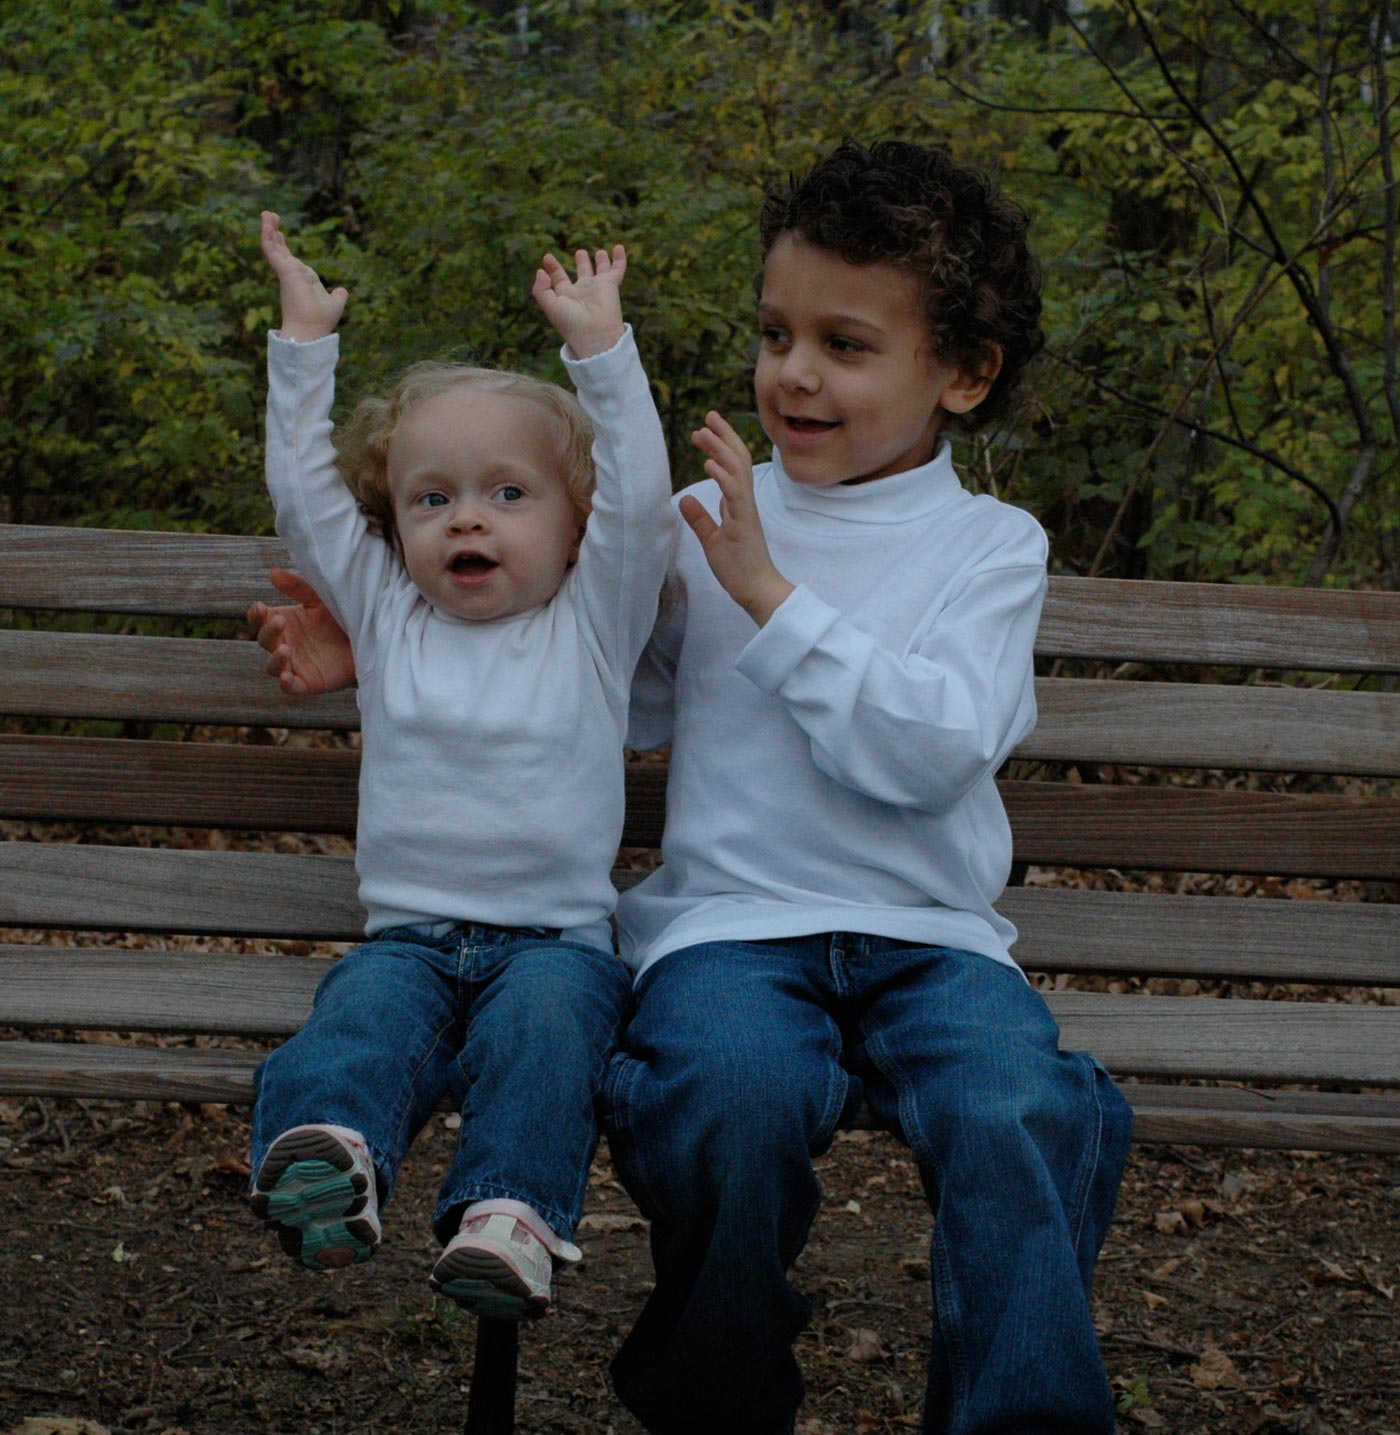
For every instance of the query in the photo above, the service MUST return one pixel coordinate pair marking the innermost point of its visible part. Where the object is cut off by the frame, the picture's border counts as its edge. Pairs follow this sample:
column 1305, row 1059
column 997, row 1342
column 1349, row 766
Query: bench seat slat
column 296, row 895
column 190, row 680
column 1229, row 1039
column 1205, row 1116
column 1067, row 929
column 208, row 575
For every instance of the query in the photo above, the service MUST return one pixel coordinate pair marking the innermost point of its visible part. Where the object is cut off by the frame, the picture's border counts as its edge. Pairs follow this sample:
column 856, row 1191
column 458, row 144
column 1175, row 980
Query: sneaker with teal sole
column 316, row 1189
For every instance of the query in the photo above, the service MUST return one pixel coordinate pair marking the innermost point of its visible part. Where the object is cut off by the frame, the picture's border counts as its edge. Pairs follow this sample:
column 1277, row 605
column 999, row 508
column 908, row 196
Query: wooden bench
column 1208, row 758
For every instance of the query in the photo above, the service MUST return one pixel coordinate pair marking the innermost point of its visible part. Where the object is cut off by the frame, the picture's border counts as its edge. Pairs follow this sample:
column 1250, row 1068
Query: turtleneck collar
column 896, row 499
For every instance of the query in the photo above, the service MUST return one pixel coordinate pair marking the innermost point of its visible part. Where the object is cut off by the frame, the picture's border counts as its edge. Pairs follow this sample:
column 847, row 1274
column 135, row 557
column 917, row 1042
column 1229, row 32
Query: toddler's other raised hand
column 309, row 310
column 587, row 309
column 735, row 547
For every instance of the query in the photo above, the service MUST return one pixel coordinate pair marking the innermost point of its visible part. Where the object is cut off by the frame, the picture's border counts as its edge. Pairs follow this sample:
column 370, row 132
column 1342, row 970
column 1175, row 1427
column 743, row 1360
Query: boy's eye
column 842, row 345
column 772, row 336
column 511, row 493
column 432, row 500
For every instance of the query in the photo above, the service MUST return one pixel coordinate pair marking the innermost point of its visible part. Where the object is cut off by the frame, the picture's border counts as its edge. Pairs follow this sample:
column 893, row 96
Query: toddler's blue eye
column 511, row 493
column 433, row 500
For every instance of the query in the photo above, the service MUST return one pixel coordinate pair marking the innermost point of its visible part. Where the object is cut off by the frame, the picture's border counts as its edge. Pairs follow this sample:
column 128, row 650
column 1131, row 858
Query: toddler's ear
column 578, row 541
column 967, row 388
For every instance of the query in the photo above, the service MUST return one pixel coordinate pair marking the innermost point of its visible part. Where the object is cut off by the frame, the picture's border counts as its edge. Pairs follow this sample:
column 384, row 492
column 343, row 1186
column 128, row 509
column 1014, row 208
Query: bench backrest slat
column 103, row 570
column 186, row 680
column 314, row 790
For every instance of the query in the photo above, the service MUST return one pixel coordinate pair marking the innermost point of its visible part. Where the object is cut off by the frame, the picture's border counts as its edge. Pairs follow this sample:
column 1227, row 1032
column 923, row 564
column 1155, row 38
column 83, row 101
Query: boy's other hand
column 309, row 310
column 735, row 547
column 587, row 309
column 307, row 649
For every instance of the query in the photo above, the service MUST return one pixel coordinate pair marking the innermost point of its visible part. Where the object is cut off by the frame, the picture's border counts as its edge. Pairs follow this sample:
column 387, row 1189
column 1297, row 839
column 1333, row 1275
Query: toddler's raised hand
column 309, row 310
column 735, row 547
column 587, row 309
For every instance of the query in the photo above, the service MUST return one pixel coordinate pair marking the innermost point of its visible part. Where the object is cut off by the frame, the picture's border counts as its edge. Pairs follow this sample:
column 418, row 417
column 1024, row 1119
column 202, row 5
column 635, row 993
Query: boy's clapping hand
column 587, row 309
column 309, row 310
column 735, row 547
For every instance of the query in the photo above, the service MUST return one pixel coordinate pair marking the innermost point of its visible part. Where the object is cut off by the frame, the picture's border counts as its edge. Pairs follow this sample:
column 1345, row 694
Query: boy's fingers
column 702, row 525
column 583, row 264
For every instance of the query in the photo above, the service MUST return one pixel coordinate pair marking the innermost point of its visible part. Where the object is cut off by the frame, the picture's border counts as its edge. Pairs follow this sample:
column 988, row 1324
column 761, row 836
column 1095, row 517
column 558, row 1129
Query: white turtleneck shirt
column 834, row 769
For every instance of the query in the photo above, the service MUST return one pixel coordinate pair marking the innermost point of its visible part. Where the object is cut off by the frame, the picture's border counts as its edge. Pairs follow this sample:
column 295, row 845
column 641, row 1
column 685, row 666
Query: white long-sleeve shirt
column 491, row 780
column 833, row 770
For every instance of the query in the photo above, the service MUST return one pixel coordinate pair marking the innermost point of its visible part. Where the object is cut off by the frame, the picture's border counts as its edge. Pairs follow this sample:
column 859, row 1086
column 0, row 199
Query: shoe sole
column 486, row 1284
column 314, row 1196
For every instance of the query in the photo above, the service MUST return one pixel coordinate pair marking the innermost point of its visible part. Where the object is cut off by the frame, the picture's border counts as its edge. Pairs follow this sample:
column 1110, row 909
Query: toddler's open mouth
column 801, row 425
column 473, row 564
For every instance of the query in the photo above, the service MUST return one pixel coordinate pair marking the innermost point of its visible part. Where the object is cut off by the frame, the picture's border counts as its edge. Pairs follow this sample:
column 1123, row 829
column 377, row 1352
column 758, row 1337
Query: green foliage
column 1207, row 185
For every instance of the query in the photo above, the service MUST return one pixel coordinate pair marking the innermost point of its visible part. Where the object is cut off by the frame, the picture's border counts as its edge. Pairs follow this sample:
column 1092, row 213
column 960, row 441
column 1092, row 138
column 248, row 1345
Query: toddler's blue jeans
column 735, row 1070
column 517, row 1024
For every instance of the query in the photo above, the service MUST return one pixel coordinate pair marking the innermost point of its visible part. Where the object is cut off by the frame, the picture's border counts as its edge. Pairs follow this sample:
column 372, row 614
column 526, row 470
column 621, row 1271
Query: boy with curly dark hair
column 846, row 665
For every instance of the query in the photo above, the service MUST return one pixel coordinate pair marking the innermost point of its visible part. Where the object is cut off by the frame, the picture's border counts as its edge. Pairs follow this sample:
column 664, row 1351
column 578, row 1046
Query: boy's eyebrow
column 769, row 312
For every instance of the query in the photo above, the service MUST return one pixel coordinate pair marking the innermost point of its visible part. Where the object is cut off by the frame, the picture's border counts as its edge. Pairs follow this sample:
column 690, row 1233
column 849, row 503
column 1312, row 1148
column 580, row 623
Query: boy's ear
column 968, row 387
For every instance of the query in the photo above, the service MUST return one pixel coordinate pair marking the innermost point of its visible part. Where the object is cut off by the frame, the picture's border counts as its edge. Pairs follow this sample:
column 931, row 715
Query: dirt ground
column 1241, row 1293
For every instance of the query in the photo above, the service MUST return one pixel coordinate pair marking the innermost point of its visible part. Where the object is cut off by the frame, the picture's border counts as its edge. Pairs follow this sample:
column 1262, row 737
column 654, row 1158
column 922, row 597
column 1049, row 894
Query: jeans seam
column 944, row 1288
column 1090, row 1165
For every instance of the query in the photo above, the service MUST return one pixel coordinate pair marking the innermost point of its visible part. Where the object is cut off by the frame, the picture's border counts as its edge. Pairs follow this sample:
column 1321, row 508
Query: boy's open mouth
column 801, row 425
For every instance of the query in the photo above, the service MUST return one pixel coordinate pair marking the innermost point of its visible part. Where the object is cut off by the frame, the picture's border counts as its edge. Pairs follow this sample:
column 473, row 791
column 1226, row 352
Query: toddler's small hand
column 309, row 310
column 586, row 310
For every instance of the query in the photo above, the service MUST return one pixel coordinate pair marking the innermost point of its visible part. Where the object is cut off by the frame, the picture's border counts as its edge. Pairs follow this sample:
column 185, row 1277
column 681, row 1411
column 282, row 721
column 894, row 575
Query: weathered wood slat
column 301, row 789
column 281, row 789
column 1143, row 1036
column 106, row 570
column 1252, row 939
column 80, row 675
column 1205, row 1116
column 184, row 680
column 155, row 990
column 1204, row 830
column 150, row 889
column 208, row 575
column 1234, row 625
column 1198, row 725
column 293, row 895
column 1233, row 1039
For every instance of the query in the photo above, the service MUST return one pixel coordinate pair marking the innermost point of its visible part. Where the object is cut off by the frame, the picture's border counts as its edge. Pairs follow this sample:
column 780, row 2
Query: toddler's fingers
column 583, row 264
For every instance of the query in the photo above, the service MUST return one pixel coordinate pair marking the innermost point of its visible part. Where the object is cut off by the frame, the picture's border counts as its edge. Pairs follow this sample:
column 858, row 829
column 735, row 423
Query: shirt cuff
column 798, row 624
column 622, row 351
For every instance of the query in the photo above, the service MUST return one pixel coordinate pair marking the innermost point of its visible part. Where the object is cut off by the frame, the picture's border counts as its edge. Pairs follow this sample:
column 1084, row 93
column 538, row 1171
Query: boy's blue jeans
column 736, row 1068
column 516, row 1023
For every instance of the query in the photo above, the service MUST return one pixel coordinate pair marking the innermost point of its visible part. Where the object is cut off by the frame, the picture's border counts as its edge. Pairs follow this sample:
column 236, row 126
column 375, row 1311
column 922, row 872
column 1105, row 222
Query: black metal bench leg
column 491, row 1399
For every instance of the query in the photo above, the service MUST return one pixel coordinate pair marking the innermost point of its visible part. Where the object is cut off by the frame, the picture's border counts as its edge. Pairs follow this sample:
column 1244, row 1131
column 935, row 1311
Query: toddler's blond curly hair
column 362, row 445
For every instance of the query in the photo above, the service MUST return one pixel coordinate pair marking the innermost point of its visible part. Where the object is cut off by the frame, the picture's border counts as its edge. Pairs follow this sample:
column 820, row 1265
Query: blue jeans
column 736, row 1068
column 517, row 1024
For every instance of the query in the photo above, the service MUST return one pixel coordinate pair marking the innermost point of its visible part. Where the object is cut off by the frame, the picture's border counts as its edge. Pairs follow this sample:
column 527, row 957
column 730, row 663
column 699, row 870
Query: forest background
column 1211, row 184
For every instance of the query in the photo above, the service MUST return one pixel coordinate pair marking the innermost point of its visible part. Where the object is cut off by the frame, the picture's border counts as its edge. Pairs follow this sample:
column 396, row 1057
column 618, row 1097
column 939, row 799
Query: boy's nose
column 797, row 372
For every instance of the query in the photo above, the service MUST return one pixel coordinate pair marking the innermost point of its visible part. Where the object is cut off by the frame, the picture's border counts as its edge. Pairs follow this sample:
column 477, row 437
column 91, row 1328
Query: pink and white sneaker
column 501, row 1261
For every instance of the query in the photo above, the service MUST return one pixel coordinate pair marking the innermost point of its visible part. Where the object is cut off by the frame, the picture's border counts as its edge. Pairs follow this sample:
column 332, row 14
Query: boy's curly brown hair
column 916, row 207
column 362, row 445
